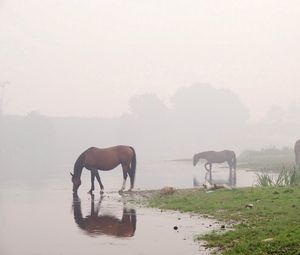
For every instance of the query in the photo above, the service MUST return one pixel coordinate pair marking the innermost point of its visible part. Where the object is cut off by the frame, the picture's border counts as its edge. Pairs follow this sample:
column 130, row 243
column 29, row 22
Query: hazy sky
column 88, row 58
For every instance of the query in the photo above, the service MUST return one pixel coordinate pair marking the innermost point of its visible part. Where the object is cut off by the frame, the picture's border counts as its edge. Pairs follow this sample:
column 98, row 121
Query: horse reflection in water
column 95, row 224
column 212, row 157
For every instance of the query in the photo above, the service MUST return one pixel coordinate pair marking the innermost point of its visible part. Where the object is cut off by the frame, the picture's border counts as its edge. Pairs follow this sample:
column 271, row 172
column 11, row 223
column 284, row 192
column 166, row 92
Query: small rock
column 249, row 205
column 167, row 191
column 222, row 226
column 175, row 227
column 268, row 239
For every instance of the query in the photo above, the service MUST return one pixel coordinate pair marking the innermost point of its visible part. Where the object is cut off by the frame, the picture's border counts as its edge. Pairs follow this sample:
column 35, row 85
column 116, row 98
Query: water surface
column 40, row 215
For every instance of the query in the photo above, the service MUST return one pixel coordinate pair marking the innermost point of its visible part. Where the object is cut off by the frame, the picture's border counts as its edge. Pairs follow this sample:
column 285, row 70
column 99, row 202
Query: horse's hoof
column 121, row 191
column 101, row 192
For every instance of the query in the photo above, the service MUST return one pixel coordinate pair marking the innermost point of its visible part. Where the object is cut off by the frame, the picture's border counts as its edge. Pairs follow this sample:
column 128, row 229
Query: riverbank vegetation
column 286, row 177
column 267, row 159
column 265, row 220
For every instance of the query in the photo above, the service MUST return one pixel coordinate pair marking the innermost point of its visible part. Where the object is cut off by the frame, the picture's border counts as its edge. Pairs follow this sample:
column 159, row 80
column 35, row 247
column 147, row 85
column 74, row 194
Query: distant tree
column 208, row 118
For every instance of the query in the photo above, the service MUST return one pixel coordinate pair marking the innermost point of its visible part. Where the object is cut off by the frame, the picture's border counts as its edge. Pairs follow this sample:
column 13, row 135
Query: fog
column 199, row 117
column 88, row 59
column 170, row 78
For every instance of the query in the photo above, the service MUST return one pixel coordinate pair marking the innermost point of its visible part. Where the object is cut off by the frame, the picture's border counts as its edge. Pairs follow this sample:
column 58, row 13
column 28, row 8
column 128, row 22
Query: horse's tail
column 234, row 160
column 132, row 168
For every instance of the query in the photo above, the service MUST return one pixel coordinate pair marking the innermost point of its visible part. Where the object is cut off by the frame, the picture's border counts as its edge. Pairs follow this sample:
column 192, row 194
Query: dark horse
column 297, row 152
column 95, row 224
column 218, row 157
column 95, row 159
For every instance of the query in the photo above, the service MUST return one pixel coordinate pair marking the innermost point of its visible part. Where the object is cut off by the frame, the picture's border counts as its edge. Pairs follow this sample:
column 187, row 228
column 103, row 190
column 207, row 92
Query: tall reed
column 286, row 177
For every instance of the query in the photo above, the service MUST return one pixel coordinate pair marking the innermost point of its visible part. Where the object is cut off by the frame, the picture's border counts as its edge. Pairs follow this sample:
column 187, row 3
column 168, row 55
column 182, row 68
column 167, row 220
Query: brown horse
column 218, row 157
column 95, row 224
column 95, row 159
column 297, row 152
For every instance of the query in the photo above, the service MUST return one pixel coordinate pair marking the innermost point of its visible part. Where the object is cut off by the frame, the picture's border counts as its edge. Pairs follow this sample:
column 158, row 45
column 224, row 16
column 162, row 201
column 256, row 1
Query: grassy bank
column 270, row 224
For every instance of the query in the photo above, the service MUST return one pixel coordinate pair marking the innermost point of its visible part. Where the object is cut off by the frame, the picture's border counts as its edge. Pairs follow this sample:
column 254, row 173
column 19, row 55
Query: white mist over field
column 88, row 58
column 169, row 77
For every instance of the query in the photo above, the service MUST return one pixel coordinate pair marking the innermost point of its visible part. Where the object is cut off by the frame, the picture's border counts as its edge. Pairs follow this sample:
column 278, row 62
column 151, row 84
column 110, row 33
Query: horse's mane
column 79, row 163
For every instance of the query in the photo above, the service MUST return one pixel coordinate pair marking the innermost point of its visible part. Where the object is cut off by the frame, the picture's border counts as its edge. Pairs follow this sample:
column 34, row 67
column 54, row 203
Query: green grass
column 271, row 226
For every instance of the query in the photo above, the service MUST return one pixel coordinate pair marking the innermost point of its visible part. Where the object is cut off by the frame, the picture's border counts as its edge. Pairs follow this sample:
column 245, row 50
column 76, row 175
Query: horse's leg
column 208, row 167
column 99, row 181
column 99, row 204
column 234, row 173
column 92, row 182
column 210, row 175
column 93, row 212
column 125, row 216
column 230, row 173
column 125, row 174
column 232, row 176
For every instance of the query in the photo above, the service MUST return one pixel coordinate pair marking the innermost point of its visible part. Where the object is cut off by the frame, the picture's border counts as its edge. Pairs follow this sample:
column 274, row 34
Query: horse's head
column 76, row 183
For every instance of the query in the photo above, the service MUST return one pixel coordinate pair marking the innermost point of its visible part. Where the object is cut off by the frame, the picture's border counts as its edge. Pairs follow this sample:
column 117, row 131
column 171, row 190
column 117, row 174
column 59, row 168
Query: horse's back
column 221, row 156
column 228, row 152
column 107, row 158
column 113, row 149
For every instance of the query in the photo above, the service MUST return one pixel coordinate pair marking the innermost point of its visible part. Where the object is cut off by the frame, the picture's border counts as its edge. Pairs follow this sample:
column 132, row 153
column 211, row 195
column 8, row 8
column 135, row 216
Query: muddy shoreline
column 141, row 198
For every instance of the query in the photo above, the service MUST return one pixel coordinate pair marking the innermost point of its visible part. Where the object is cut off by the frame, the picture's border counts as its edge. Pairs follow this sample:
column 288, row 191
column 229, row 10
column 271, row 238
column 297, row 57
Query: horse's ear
column 71, row 174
